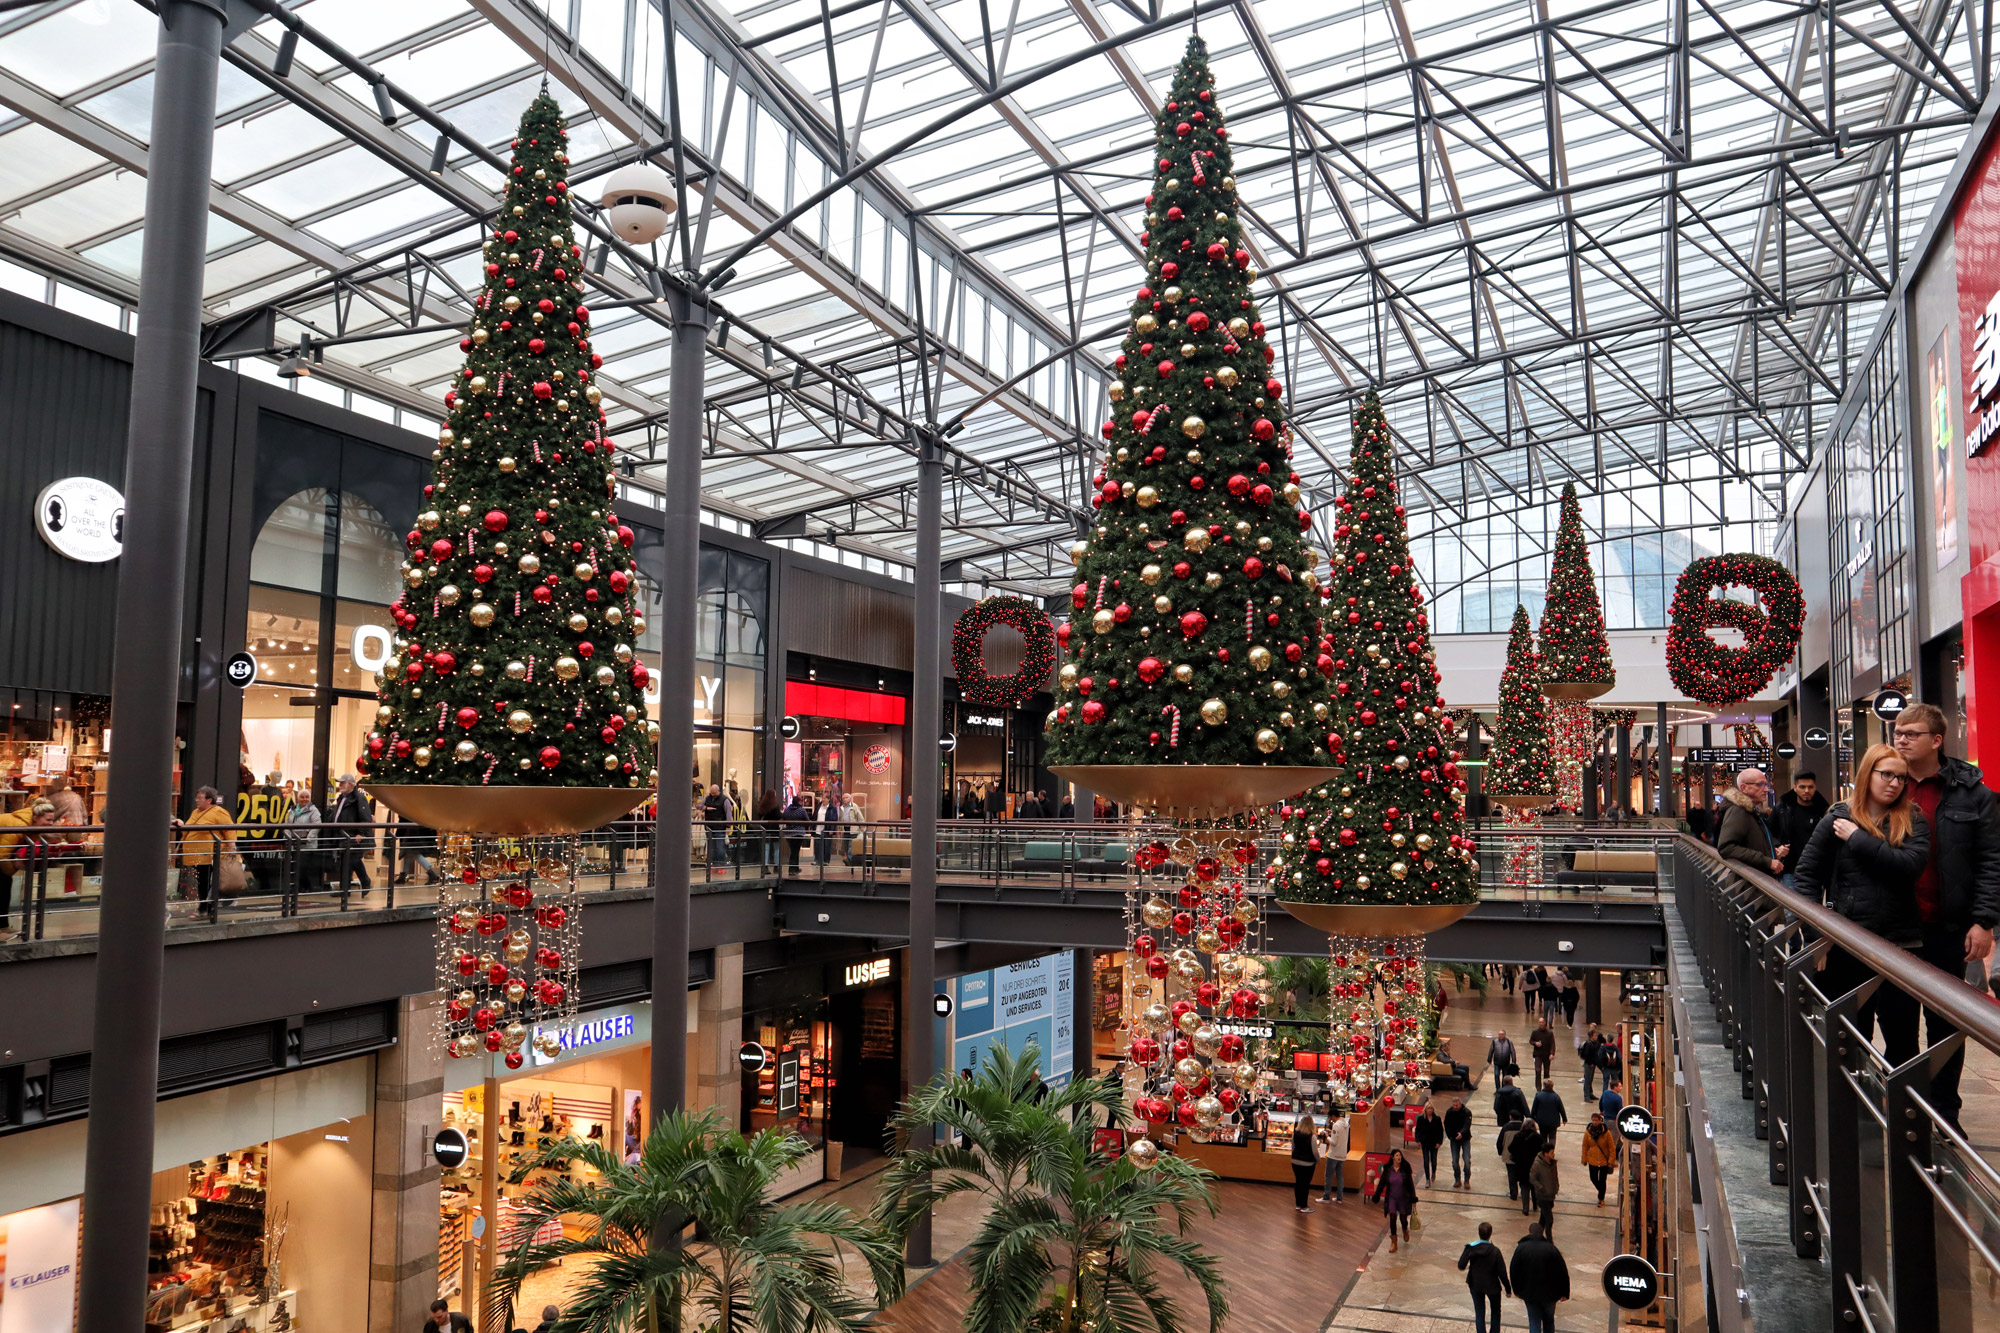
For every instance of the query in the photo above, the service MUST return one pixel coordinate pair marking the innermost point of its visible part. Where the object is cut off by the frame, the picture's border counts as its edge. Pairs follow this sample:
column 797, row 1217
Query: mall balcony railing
column 1900, row 1211
column 52, row 889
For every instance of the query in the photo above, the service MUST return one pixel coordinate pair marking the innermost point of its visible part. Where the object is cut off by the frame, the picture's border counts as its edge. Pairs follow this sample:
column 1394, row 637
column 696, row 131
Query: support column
column 1707, row 770
column 1082, row 1010
column 159, row 468
column 680, row 583
column 920, row 1031
column 403, row 1257
column 718, row 1034
column 1624, row 767
column 1593, row 995
column 1663, row 758
column 486, row 1247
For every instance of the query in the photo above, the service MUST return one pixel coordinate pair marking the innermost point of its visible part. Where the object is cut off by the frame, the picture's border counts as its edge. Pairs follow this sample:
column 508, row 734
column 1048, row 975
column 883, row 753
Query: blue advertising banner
column 1012, row 1006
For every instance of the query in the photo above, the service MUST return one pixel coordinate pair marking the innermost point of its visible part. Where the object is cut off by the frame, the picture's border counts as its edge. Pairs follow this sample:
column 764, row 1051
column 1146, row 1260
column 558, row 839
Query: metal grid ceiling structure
column 1629, row 243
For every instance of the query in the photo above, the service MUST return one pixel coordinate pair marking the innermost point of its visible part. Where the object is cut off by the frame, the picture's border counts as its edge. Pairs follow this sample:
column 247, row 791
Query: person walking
column 72, row 811
column 1306, row 1152
column 1521, row 1153
column 1549, row 993
column 1864, row 860
column 1502, row 1055
column 1958, row 893
column 826, row 826
column 1544, row 1185
column 1430, row 1138
column 1507, row 978
column 1613, row 1101
column 1590, row 1051
column 551, row 1314
column 1458, row 1133
column 1485, row 1270
column 715, row 823
column 797, row 819
column 1504, row 1144
column 302, row 841
column 1794, row 818
column 1571, row 996
column 1531, row 985
column 1336, row 1142
column 1548, row 1112
column 1396, row 1191
column 1508, row 1102
column 444, row 1319
column 851, row 819
column 1744, row 835
column 770, row 814
column 414, row 840
column 1542, row 1042
column 1600, row 1152
column 203, row 850
column 1540, row 1277
column 351, row 808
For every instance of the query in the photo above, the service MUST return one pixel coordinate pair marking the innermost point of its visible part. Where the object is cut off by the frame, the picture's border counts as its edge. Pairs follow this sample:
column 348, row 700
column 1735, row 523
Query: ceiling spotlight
column 295, row 367
column 770, row 355
column 440, row 152
column 655, row 286
column 601, row 258
column 288, row 48
column 722, row 333
column 723, row 281
column 383, row 106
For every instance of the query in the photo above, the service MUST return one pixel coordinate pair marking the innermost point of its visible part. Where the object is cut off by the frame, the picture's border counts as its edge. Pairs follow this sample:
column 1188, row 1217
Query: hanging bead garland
column 508, row 935
column 1377, row 1004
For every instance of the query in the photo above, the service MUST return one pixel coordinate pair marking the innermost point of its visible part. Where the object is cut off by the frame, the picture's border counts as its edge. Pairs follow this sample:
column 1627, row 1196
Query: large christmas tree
column 1576, row 657
column 514, row 657
column 1519, row 762
column 1195, row 637
column 1391, row 830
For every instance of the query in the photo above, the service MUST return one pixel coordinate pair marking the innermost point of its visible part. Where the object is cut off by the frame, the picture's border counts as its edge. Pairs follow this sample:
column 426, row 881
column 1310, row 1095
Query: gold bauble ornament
column 1163, row 604
column 1212, row 579
column 1187, row 350
column 1245, row 912
column 422, row 754
column 1171, row 295
column 1145, row 1154
column 1214, row 712
column 1260, row 657
column 1195, row 539
column 520, row 721
column 1188, row 1070
column 428, row 520
column 1117, row 391
column 507, row 464
column 448, row 595
column 1208, row 941
column 481, row 615
column 1362, row 882
column 1156, row 913
column 1145, row 324
column 578, row 622
column 1151, row 574
column 414, row 577
column 568, row 668
column 1103, row 620
column 465, row 752
column 1207, row 1112
column 517, row 671
column 604, row 675
column 1077, row 550
column 1227, row 377
column 1193, row 427
column 531, row 563
column 1399, row 870
column 1240, row 327
column 1183, row 673
column 1425, row 842
column 1148, row 497
column 1285, row 719
column 1267, row 740
column 1281, row 688
column 585, row 571
column 1067, row 676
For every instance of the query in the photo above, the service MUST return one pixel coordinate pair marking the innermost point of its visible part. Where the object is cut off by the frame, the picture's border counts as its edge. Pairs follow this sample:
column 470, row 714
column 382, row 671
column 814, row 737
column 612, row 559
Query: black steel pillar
column 1663, row 751
column 1707, row 770
column 1593, row 996
column 680, row 581
column 927, row 666
column 159, row 467
column 1083, row 1011
column 1623, row 800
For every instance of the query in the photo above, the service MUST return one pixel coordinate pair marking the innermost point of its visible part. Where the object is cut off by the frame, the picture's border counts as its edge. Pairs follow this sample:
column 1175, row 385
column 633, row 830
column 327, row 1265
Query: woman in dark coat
column 1863, row 861
column 1396, row 1191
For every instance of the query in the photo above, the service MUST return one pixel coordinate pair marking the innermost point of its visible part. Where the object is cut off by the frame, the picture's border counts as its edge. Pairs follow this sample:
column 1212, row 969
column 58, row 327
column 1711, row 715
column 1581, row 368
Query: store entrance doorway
column 868, row 1067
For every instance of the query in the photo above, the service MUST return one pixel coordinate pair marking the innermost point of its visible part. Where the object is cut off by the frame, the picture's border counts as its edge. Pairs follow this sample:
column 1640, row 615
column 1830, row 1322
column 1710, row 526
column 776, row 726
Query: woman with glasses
column 1863, row 860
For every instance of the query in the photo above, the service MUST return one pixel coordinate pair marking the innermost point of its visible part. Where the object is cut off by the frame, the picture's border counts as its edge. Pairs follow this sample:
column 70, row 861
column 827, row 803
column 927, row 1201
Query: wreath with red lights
column 968, row 651
column 1709, row 672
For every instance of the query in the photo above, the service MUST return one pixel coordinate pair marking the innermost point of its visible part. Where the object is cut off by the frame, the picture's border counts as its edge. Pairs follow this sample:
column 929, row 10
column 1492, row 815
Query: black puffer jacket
column 1866, row 880
column 1968, row 847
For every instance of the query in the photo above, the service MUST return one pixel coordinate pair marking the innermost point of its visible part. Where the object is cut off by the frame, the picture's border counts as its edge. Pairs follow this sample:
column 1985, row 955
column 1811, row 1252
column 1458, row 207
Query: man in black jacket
column 1797, row 814
column 1958, row 894
column 1540, row 1276
column 1458, row 1133
column 1527, row 1145
column 1509, row 1101
column 1485, row 1270
column 354, row 845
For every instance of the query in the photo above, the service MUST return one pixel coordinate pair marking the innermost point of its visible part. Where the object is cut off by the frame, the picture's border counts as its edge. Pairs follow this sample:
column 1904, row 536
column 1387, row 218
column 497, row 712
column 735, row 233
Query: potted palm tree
column 757, row 1264
column 1073, row 1237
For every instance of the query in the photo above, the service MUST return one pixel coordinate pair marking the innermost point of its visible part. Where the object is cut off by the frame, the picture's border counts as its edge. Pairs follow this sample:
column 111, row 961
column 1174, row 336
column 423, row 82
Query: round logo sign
column 947, row 743
column 1889, row 705
column 789, row 727
column 941, row 1005
column 752, row 1056
column 82, row 518
column 875, row 759
column 449, row 1147
column 1631, row 1282
column 1787, row 750
column 240, row 669
column 1635, row 1123
column 1817, row 738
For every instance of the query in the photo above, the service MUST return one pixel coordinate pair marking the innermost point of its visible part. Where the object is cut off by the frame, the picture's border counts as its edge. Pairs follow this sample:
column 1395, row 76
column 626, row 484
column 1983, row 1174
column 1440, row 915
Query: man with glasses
column 1958, row 894
column 1745, row 835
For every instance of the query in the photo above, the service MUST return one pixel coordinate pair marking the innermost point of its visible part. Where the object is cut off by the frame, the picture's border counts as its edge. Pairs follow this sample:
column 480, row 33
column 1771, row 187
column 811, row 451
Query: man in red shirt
column 1958, row 893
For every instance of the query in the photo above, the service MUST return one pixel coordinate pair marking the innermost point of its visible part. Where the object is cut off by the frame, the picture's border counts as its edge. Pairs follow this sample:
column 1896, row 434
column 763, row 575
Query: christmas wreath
column 1705, row 670
column 968, row 643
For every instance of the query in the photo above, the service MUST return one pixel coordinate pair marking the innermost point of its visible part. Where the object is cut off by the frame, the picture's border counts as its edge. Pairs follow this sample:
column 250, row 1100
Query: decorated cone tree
column 514, row 659
column 1195, row 636
column 1519, row 763
column 1391, row 829
column 1576, row 657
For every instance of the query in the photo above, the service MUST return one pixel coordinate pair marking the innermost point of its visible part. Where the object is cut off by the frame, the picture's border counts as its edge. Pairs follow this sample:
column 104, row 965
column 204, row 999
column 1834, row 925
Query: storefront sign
column 1631, row 1282
column 941, row 1005
column 1735, row 757
column 1985, row 379
column 240, row 669
column 371, row 647
column 876, row 758
column 789, row 728
column 752, row 1056
column 947, row 743
column 1018, row 1005
column 1635, row 1123
column 868, row 973
column 1889, row 704
column 40, row 1252
column 592, row 1032
column 1787, row 750
column 450, row 1148
column 984, row 721
column 1817, row 738
column 1246, row 1029
column 788, row 1086
column 82, row 518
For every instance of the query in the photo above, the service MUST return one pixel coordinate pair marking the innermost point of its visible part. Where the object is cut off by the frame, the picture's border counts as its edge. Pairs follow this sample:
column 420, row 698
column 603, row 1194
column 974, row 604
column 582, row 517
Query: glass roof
column 1565, row 243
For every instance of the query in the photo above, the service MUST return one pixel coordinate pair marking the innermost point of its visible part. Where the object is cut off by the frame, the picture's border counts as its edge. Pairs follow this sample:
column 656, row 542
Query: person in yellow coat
column 34, row 812
column 202, row 849
column 1600, row 1152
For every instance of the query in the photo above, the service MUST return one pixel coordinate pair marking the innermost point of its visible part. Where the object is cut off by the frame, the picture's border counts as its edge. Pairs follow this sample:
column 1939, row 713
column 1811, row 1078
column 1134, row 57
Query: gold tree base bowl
column 1575, row 690
column 1372, row 921
column 1521, row 801
column 509, row 812
column 1195, row 790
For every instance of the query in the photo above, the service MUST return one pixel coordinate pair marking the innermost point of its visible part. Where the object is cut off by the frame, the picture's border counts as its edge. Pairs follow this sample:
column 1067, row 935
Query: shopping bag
column 231, row 877
column 1416, row 1221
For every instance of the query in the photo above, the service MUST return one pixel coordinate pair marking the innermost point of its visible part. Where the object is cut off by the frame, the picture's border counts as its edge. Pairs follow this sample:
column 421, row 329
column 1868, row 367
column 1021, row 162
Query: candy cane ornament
column 1173, row 731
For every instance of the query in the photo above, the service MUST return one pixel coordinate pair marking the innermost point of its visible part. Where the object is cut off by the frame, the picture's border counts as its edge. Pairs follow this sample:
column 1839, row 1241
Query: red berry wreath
column 1705, row 670
column 968, row 641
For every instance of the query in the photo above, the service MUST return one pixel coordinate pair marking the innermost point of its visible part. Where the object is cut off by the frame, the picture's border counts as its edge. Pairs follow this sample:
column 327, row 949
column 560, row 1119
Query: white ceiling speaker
column 638, row 201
